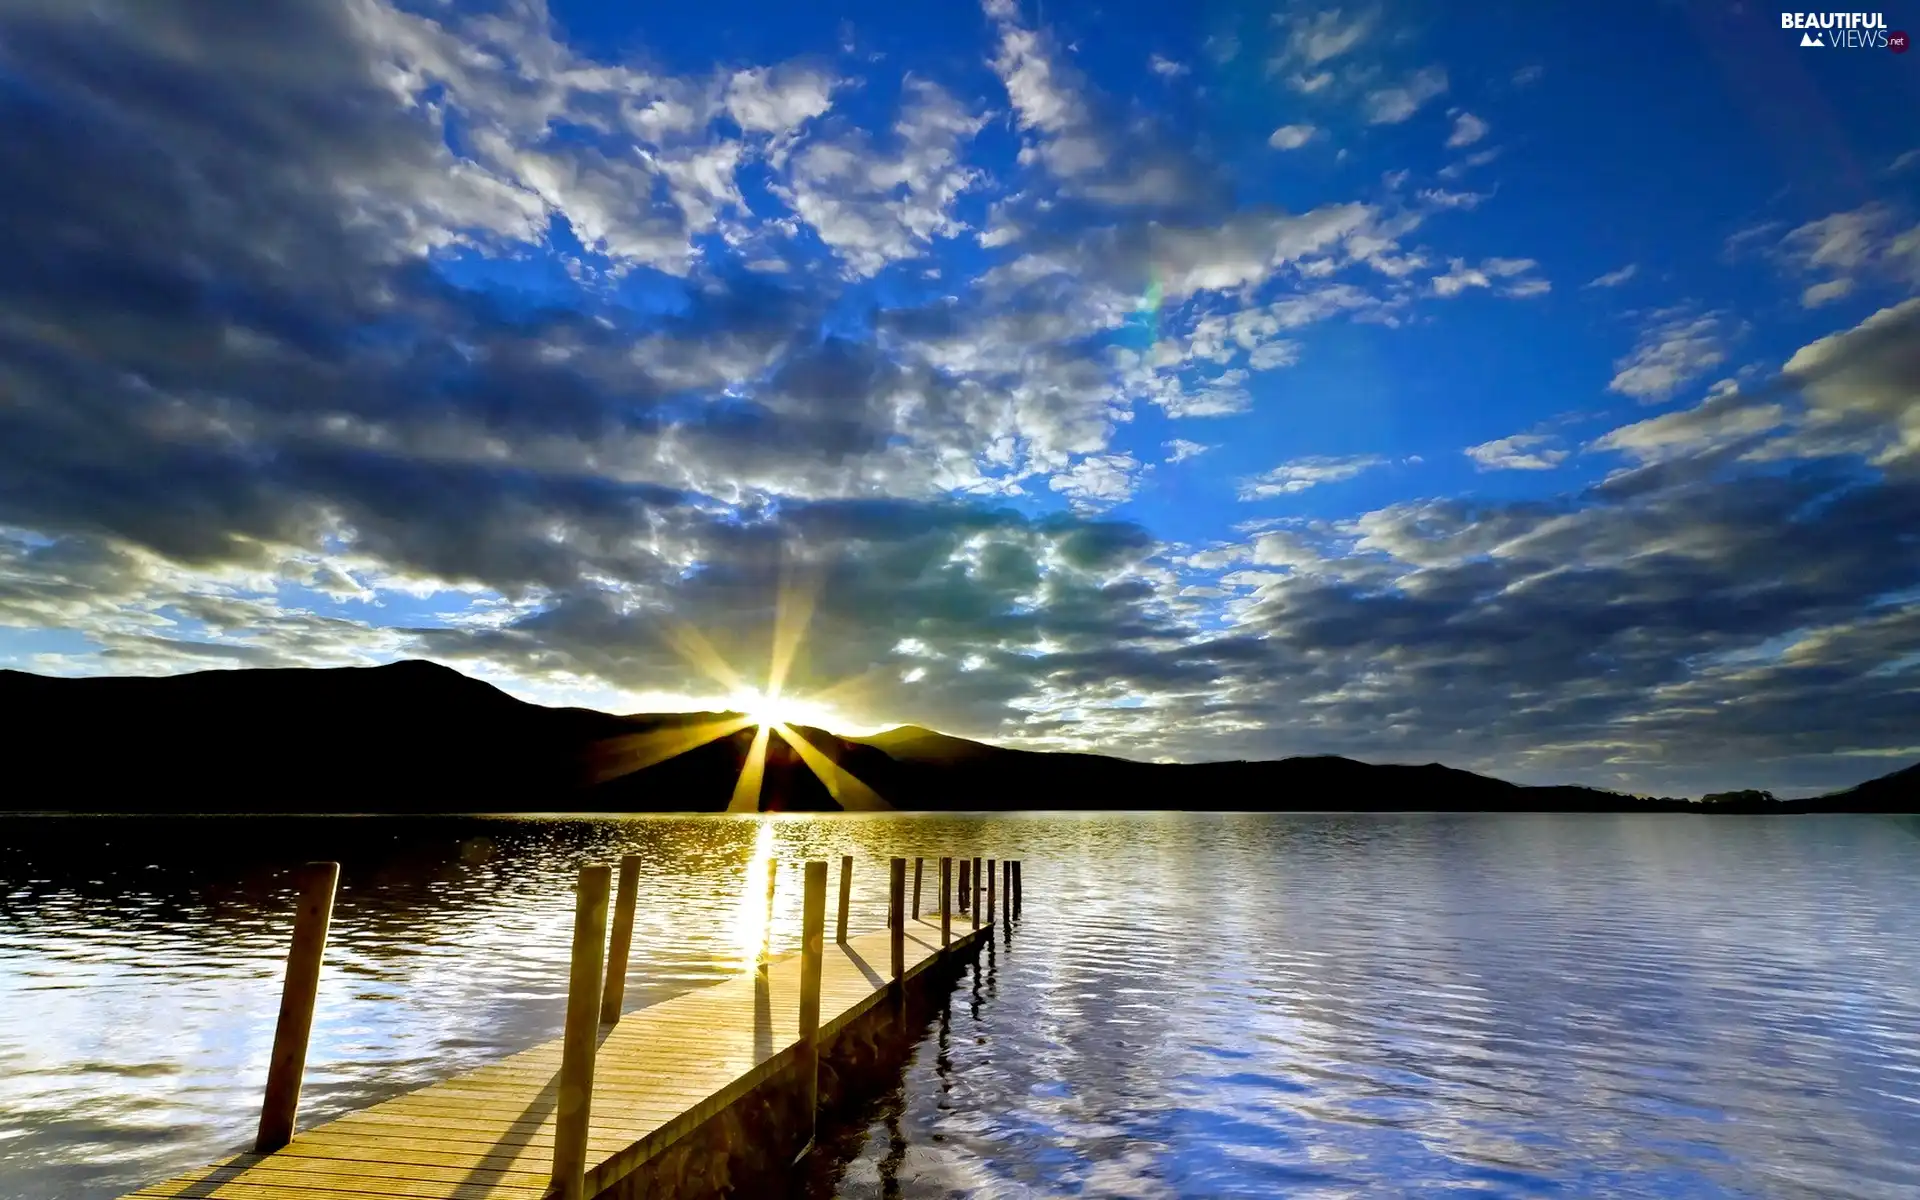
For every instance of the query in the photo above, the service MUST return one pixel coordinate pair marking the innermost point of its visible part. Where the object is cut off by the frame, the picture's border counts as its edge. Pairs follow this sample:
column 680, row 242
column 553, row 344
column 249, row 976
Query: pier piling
column 846, row 895
column 897, row 917
column 615, row 992
column 973, row 893
column 573, row 1103
column 946, row 902
column 301, row 987
column 813, row 919
column 917, row 864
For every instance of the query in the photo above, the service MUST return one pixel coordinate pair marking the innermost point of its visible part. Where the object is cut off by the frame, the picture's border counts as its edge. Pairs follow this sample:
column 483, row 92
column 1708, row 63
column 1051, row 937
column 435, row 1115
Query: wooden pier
column 624, row 1103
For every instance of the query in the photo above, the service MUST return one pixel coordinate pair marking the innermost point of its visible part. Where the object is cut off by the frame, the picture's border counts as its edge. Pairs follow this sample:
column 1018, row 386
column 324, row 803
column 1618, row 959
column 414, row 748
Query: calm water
column 1301, row 1005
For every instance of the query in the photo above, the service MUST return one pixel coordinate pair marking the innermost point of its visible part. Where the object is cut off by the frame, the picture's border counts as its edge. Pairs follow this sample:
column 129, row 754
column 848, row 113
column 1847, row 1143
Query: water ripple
column 1311, row 1005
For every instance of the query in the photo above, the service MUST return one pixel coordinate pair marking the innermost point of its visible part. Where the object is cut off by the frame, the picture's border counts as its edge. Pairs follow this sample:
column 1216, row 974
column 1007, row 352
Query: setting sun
column 771, row 708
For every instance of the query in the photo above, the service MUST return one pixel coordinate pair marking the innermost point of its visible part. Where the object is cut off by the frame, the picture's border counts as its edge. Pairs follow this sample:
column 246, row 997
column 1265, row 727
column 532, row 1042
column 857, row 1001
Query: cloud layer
column 331, row 333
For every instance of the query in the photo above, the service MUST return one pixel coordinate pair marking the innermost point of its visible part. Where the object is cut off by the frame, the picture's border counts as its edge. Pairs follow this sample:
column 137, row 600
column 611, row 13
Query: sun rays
column 768, row 709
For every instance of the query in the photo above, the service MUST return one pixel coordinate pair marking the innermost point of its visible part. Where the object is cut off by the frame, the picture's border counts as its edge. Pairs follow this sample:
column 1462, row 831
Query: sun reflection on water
column 753, row 914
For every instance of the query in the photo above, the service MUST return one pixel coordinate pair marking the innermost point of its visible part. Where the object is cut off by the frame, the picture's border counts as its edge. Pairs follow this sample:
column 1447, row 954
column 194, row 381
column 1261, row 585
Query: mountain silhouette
column 418, row 737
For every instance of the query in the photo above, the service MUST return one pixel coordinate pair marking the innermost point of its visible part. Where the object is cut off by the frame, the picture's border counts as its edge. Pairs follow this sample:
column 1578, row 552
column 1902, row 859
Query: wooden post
column 846, row 894
column 974, row 893
column 813, row 920
column 897, row 915
column 298, row 991
column 960, row 893
column 616, row 990
column 946, row 902
column 916, row 887
column 573, row 1106
column 1006, row 890
column 990, row 865
column 1014, row 896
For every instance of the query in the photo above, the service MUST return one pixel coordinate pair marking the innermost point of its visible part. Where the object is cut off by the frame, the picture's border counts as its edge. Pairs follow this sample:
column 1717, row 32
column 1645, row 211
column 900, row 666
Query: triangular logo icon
column 1811, row 39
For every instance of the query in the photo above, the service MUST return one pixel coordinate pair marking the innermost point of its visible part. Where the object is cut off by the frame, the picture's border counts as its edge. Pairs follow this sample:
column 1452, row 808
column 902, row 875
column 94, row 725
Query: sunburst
column 768, row 709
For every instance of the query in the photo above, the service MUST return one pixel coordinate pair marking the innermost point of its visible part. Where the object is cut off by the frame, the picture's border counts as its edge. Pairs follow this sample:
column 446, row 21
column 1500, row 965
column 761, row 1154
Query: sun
column 763, row 707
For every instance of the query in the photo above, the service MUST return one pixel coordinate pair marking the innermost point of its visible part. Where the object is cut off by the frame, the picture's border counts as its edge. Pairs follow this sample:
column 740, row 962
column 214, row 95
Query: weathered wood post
column 917, row 863
column 960, row 893
column 615, row 993
column 846, row 894
column 1015, row 898
column 974, row 894
column 298, row 991
column 990, row 866
column 946, row 902
column 573, row 1106
column 1006, row 890
column 813, row 923
column 897, row 915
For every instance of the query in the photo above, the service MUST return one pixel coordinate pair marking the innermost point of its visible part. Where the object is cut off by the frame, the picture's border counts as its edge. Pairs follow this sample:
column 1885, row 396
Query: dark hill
column 417, row 737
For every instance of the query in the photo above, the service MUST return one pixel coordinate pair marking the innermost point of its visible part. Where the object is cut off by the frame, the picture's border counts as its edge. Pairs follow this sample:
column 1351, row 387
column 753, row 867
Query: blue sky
column 1533, row 390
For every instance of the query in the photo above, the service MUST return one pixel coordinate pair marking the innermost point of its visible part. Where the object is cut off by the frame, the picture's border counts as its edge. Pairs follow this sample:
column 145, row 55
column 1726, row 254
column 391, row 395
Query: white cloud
column 1166, row 68
column 1392, row 105
column 1320, row 37
column 1460, row 277
column 875, row 207
column 1520, row 452
column 1852, row 247
column 1615, row 278
column 1292, row 478
column 1675, row 350
column 1099, row 480
column 1180, row 449
column 778, row 100
column 1467, row 129
column 1292, row 137
column 1825, row 293
column 1723, row 417
column 1528, row 76
column 1478, row 158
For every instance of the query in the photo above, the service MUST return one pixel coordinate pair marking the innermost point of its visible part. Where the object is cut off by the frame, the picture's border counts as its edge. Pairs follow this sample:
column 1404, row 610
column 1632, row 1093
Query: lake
column 1311, row 1005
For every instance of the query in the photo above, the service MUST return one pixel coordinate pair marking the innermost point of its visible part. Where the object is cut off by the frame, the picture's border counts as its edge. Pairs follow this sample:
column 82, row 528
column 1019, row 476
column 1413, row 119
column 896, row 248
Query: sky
column 1534, row 389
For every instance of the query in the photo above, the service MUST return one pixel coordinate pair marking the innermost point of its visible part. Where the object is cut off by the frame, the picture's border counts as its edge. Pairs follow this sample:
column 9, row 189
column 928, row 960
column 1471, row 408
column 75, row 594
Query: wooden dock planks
column 660, row 1072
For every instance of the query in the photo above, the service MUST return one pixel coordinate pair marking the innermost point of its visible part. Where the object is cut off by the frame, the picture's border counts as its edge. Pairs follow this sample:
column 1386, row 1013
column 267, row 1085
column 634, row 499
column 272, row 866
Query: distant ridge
column 418, row 737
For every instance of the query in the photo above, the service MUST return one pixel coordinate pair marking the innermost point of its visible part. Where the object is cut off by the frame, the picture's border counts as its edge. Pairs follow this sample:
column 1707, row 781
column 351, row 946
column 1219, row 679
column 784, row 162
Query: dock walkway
column 658, row 1074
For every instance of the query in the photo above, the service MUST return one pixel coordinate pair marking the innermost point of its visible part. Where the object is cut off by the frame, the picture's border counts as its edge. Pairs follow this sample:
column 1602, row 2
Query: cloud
column 1098, row 481
column 1675, row 349
column 1167, row 68
column 778, row 99
column 1467, row 129
column 1292, row 478
column 1074, row 142
column 1861, row 388
column 875, row 207
column 1490, row 274
column 1316, row 38
column 1519, row 452
column 1873, row 245
column 1726, row 418
column 1393, row 105
column 1527, row 76
column 1615, row 278
column 1292, row 137
column 1180, row 450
